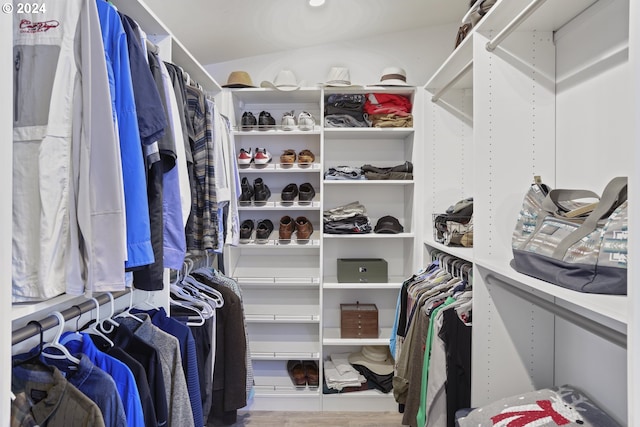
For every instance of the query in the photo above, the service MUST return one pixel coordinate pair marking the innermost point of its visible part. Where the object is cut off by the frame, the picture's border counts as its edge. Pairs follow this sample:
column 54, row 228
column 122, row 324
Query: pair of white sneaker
column 262, row 156
column 305, row 121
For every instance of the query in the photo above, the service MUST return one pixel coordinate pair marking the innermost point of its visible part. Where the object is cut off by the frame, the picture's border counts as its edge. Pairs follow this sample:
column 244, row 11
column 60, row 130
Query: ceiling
column 217, row 31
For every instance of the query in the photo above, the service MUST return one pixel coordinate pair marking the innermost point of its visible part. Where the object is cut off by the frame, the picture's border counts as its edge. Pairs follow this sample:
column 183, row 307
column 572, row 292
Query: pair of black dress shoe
column 263, row 230
column 305, row 194
column 264, row 121
column 259, row 192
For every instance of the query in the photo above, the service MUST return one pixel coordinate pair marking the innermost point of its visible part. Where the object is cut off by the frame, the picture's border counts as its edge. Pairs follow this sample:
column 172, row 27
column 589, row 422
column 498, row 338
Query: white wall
column 420, row 52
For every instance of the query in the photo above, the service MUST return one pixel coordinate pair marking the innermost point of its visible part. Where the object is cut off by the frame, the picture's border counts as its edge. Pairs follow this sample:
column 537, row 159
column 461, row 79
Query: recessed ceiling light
column 316, row 3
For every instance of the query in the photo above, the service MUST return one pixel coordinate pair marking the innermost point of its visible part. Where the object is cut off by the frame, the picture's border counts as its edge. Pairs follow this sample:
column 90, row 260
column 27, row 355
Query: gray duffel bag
column 581, row 245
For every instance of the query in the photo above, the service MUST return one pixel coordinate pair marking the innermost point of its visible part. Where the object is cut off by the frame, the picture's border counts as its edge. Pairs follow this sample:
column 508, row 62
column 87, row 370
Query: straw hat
column 239, row 79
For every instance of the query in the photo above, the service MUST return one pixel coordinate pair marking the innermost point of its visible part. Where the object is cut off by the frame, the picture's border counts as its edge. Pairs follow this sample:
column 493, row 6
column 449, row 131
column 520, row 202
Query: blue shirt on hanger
column 80, row 342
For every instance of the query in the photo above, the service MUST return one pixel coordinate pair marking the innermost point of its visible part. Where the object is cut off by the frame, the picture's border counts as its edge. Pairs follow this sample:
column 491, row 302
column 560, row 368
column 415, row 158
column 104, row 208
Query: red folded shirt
column 387, row 103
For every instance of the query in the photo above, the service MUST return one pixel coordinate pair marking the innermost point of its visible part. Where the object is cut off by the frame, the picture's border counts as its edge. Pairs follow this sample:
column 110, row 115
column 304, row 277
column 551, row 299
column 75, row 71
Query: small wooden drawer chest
column 358, row 320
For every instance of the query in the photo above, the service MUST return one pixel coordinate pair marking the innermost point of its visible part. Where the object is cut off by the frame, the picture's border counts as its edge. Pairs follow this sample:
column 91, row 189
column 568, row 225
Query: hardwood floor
column 317, row 419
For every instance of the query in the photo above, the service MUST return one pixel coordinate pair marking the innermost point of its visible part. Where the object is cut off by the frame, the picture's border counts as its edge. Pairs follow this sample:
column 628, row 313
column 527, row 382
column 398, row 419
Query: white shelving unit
column 280, row 280
column 380, row 147
column 16, row 316
column 528, row 94
column 292, row 295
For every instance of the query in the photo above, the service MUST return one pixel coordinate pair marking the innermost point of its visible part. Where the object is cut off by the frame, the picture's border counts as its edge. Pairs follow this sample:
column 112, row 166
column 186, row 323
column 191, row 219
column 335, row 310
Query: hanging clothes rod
column 511, row 26
column 32, row 329
column 453, row 81
column 616, row 337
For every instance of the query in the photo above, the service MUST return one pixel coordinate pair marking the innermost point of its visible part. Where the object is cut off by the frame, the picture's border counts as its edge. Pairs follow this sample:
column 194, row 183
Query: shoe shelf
column 282, row 306
column 284, row 342
column 283, row 355
column 281, row 168
column 367, row 133
column 279, row 386
column 284, row 244
column 258, row 266
column 278, row 205
column 276, row 130
column 277, row 281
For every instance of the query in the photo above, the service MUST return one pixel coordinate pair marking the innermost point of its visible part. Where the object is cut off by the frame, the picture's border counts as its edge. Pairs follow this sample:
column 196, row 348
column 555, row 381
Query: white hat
column 393, row 76
column 285, row 80
column 339, row 77
column 376, row 358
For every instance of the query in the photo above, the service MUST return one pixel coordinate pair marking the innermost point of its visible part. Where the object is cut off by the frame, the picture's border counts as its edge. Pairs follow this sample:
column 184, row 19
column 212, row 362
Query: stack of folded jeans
column 345, row 110
column 348, row 219
column 343, row 173
column 399, row 172
column 388, row 110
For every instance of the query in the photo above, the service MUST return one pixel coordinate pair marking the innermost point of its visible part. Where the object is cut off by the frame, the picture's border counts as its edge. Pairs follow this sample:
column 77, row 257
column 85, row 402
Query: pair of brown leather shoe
column 303, row 373
column 301, row 225
column 305, row 157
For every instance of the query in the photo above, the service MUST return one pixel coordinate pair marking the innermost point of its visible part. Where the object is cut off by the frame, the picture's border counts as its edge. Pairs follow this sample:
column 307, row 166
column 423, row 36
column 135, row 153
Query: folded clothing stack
column 402, row 171
column 388, row 110
column 343, row 173
column 348, row 219
column 345, row 110
column 338, row 372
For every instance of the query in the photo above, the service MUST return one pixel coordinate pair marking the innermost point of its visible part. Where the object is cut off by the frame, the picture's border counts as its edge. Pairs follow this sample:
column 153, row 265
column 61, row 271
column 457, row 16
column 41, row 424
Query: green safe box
column 362, row 270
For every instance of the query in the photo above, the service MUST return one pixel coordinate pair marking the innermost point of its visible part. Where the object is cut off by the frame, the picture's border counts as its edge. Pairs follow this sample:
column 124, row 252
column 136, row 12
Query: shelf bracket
column 511, row 26
column 453, row 81
column 615, row 337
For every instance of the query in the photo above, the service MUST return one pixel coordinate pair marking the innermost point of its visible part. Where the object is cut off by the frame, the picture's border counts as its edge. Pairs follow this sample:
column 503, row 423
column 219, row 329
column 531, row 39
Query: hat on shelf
column 339, row 77
column 285, row 80
column 393, row 76
column 376, row 358
column 388, row 225
column 238, row 79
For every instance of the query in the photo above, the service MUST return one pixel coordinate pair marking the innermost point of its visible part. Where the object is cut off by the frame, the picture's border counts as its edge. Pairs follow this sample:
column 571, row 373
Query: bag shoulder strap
column 613, row 195
column 553, row 202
